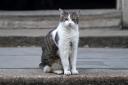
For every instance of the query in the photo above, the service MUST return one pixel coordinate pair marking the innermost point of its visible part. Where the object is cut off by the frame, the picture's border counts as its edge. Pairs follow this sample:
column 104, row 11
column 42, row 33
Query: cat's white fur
column 68, row 32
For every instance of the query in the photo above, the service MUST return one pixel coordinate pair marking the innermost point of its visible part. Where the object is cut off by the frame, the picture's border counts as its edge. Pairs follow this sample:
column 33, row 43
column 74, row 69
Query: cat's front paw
column 75, row 72
column 67, row 73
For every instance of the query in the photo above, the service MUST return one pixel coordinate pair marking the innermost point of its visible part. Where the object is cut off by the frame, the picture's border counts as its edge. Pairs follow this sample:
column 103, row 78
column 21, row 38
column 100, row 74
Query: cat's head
column 69, row 19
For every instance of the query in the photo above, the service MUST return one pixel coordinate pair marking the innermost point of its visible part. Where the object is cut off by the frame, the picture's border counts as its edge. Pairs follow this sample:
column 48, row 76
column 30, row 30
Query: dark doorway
column 55, row 4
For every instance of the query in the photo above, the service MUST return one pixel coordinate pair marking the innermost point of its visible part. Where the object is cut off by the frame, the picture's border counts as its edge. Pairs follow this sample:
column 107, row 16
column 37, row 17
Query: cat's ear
column 61, row 11
column 78, row 13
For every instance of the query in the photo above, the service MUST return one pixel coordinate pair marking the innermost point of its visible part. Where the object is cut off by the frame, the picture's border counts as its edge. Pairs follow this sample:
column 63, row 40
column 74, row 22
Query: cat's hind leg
column 46, row 69
column 58, row 72
column 57, row 67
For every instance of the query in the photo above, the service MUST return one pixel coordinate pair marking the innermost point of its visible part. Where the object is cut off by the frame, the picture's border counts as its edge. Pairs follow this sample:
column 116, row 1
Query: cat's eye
column 73, row 19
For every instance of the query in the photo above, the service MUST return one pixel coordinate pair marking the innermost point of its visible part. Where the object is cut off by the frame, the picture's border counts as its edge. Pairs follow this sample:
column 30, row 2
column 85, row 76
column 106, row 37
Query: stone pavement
column 97, row 66
column 29, row 57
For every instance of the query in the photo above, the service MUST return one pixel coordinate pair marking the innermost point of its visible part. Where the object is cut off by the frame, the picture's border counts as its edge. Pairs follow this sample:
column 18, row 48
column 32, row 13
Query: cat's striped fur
column 49, row 48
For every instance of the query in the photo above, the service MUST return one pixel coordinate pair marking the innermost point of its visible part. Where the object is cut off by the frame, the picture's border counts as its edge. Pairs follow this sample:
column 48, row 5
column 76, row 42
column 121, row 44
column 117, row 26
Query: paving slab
column 29, row 57
column 97, row 66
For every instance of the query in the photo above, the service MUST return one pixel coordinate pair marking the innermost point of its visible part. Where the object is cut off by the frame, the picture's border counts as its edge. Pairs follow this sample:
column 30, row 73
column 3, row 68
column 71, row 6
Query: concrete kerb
column 86, row 77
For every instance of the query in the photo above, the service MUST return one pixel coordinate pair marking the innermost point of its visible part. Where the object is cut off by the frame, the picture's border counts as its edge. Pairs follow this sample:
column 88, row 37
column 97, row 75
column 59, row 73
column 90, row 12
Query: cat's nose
column 70, row 24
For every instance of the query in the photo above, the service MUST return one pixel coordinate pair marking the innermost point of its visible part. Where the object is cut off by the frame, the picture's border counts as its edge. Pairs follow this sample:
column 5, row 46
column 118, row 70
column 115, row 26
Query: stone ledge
column 83, row 32
column 86, row 77
column 112, row 42
column 56, row 12
column 88, row 38
column 49, row 19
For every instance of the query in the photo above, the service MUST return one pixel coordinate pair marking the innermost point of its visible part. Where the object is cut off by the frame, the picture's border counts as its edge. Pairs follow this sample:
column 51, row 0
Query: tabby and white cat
column 60, row 45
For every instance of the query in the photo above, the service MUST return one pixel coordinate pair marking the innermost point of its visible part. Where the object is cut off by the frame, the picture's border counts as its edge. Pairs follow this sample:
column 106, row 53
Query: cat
column 60, row 45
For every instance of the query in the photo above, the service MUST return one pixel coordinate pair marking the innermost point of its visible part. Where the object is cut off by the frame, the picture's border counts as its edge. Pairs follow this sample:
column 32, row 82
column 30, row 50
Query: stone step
column 49, row 19
column 86, row 77
column 88, row 38
column 95, row 24
column 43, row 32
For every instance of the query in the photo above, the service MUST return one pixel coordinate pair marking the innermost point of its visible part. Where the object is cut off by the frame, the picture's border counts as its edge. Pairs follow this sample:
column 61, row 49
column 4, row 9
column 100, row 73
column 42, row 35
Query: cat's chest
column 68, row 34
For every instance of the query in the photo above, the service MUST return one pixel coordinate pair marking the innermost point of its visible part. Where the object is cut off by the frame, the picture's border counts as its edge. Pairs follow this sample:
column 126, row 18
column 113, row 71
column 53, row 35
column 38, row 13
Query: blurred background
column 55, row 4
column 25, row 22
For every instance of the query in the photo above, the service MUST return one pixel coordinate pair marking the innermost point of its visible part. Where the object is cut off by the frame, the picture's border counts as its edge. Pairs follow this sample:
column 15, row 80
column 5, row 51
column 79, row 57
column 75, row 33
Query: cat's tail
column 46, row 68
